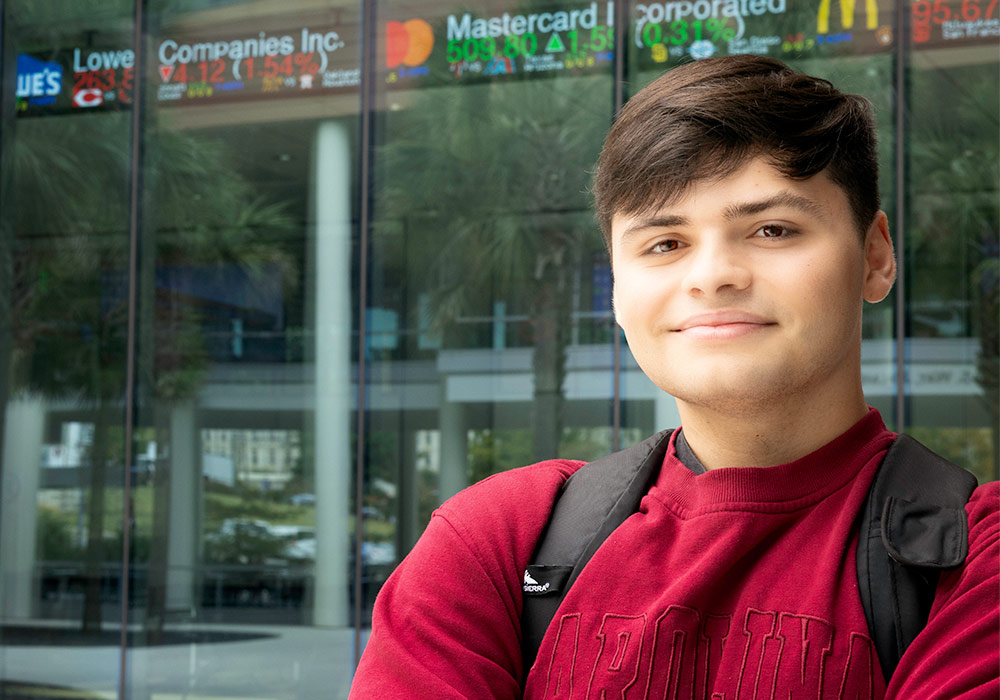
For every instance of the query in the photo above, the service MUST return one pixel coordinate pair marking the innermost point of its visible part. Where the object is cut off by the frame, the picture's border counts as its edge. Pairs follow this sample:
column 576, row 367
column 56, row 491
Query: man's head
column 706, row 120
column 741, row 209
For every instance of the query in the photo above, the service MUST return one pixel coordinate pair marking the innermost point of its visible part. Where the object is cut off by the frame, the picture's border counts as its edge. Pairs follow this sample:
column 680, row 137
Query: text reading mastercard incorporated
column 677, row 19
column 539, row 41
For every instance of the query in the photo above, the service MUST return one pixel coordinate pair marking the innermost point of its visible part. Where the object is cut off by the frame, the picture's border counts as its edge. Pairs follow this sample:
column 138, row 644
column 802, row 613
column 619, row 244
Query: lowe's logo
column 38, row 79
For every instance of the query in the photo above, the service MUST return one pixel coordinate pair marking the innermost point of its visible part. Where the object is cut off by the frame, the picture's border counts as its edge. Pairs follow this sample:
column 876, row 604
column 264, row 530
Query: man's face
column 749, row 289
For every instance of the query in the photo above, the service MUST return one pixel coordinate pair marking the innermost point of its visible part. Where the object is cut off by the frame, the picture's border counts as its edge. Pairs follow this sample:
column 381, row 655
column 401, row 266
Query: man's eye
column 774, row 231
column 665, row 246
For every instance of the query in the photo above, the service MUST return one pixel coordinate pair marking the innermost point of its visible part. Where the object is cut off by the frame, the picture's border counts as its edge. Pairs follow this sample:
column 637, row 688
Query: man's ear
column 880, row 263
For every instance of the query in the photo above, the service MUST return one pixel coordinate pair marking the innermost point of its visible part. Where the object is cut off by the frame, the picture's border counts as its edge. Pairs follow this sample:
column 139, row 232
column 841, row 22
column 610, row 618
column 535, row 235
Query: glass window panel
column 489, row 322
column 64, row 241
column 228, row 284
column 952, row 239
column 243, row 556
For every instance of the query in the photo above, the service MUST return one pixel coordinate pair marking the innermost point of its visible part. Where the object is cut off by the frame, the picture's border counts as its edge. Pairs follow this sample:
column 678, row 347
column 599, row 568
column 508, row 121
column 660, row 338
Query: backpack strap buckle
column 924, row 534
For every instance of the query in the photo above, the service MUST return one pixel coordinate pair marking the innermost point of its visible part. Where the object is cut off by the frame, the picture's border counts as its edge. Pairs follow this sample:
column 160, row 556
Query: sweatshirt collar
column 780, row 487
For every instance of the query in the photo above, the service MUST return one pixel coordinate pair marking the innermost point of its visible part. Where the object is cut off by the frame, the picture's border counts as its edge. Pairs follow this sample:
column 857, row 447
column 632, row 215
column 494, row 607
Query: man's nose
column 716, row 267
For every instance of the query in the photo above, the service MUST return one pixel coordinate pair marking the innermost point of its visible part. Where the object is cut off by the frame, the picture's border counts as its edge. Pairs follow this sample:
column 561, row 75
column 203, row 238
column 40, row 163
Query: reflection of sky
column 234, row 286
column 258, row 289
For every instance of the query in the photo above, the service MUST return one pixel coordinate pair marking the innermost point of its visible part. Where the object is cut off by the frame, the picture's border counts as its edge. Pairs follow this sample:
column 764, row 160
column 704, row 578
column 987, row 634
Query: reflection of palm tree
column 206, row 217
column 492, row 180
column 66, row 336
column 65, row 244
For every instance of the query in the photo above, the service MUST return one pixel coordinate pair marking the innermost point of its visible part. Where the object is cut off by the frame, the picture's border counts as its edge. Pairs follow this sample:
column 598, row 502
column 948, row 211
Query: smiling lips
column 721, row 325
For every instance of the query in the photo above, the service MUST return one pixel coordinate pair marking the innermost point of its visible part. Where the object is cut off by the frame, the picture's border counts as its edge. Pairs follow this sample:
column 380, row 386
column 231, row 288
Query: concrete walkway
column 264, row 663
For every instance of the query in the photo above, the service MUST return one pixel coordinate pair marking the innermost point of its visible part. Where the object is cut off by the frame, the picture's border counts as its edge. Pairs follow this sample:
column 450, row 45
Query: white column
column 185, row 493
column 22, row 464
column 454, row 446
column 332, row 213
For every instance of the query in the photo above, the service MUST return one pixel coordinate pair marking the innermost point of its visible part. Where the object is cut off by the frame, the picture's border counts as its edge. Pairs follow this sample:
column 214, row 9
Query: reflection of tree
column 67, row 334
column 66, row 238
column 954, row 184
column 209, row 219
column 490, row 183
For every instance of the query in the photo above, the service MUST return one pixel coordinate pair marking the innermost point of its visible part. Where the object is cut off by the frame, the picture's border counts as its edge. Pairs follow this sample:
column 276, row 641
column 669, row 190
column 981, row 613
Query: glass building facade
column 277, row 278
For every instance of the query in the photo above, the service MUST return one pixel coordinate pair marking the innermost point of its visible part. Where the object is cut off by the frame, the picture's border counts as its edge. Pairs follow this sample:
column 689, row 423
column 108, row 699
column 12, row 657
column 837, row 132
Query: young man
column 740, row 205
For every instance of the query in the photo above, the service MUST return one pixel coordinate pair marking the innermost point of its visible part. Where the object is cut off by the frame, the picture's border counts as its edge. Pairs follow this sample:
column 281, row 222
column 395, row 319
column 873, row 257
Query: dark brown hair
column 705, row 120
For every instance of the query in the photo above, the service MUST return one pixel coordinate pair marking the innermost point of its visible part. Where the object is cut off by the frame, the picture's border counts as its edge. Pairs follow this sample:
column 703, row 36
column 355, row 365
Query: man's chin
column 728, row 394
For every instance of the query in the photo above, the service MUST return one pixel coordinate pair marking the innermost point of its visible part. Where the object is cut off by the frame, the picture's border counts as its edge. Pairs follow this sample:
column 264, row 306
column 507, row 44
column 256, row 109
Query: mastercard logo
column 407, row 43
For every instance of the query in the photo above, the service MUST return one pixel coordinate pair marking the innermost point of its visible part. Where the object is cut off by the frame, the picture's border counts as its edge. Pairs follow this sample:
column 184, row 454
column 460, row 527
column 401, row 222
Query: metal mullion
column 621, row 20
column 902, row 44
column 367, row 87
column 135, row 199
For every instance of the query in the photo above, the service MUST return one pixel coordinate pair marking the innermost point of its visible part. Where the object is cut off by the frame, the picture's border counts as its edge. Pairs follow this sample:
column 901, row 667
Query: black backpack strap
column 913, row 525
column 593, row 502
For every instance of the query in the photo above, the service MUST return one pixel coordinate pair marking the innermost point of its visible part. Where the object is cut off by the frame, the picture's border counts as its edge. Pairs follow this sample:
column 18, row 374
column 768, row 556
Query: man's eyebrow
column 779, row 199
column 655, row 221
column 732, row 212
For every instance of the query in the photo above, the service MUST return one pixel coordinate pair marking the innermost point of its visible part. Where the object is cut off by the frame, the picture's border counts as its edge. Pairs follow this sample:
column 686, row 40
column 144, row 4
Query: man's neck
column 772, row 435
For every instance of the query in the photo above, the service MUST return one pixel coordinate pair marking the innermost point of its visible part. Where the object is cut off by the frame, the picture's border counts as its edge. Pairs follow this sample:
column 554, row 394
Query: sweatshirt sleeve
column 957, row 655
column 446, row 624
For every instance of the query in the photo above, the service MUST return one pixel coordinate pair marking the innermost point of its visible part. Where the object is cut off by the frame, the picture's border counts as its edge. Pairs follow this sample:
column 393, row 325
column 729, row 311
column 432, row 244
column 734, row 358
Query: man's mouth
column 723, row 324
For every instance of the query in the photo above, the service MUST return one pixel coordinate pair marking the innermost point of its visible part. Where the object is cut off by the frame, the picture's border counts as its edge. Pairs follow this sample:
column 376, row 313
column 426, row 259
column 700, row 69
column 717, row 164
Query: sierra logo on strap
column 541, row 579
column 532, row 586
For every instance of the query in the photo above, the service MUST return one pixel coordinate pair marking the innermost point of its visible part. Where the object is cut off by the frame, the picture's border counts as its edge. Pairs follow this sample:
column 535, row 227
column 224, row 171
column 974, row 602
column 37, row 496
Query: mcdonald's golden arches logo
column 846, row 15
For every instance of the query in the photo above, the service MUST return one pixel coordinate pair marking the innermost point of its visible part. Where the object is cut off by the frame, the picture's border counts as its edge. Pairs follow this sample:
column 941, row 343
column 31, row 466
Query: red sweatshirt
column 736, row 584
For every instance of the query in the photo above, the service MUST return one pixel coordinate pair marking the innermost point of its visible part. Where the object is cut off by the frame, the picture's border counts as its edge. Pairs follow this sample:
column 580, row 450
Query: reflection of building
column 261, row 458
column 70, row 451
